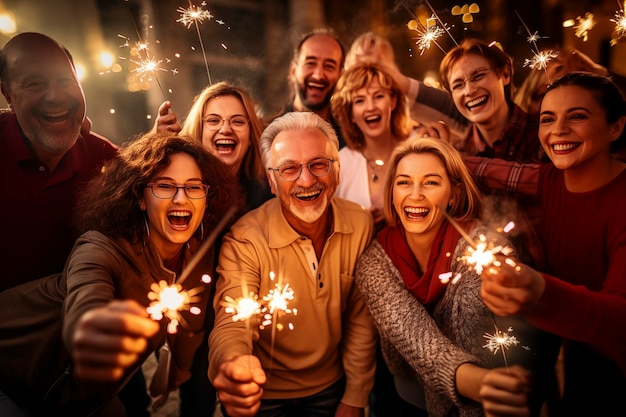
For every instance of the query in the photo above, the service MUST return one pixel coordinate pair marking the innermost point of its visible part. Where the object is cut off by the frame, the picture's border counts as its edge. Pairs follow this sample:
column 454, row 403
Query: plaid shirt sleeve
column 498, row 174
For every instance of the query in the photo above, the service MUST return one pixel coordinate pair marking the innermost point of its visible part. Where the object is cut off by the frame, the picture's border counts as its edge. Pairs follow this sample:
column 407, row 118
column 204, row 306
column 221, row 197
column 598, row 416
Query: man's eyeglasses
column 215, row 122
column 474, row 78
column 291, row 171
column 166, row 190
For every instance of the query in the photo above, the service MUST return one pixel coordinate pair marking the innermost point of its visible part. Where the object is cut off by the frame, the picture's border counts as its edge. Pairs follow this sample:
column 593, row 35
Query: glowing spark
column 620, row 26
column 126, row 43
column 533, row 38
column 500, row 341
column 277, row 303
column 169, row 300
column 243, row 307
column 484, row 255
column 428, row 34
column 141, row 46
column 508, row 227
column 193, row 15
column 432, row 34
column 147, row 66
column 585, row 24
column 540, row 60
column 445, row 277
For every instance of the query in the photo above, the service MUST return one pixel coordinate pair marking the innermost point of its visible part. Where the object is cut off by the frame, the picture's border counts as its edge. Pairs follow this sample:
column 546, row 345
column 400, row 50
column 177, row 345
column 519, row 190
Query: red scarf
column 428, row 288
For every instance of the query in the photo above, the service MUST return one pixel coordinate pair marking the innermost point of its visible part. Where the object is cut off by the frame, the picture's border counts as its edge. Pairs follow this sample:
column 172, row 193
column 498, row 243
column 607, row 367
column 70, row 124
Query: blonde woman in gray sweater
column 432, row 333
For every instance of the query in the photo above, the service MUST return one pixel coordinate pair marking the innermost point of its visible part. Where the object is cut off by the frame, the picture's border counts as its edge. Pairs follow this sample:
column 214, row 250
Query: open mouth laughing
column 225, row 145
column 416, row 213
column 564, row 147
column 472, row 104
column 179, row 219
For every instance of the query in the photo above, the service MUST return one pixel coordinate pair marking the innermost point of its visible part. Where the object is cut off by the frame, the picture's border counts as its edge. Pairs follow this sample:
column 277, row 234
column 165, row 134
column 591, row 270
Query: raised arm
column 498, row 174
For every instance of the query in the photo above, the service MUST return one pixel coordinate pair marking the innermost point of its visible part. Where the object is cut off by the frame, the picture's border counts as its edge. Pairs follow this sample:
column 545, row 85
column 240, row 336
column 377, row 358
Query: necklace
column 375, row 165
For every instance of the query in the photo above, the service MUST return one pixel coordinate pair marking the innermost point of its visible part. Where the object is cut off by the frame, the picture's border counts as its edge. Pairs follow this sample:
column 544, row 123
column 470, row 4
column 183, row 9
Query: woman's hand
column 504, row 392
column 166, row 119
column 110, row 339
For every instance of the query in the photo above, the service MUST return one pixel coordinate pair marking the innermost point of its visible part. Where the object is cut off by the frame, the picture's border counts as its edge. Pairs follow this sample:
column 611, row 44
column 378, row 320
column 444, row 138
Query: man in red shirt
column 45, row 157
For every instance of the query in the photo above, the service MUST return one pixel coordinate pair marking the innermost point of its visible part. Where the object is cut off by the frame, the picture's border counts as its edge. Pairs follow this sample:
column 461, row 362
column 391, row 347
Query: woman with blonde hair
column 431, row 332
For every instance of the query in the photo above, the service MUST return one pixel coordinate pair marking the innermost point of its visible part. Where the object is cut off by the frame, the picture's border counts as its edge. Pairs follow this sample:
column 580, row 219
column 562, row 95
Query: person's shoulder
column 95, row 140
column 349, row 206
column 350, row 212
column 93, row 150
column 255, row 218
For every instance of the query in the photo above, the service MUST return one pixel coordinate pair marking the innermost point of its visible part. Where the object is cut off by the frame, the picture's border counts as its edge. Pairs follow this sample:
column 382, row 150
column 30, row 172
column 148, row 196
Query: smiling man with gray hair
column 310, row 240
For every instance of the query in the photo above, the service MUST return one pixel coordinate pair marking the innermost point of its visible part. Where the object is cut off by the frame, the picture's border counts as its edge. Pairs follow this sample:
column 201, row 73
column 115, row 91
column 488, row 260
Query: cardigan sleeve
column 404, row 322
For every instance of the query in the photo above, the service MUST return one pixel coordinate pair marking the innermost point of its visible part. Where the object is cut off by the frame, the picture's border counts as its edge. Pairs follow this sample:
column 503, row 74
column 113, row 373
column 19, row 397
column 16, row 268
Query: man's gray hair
column 296, row 121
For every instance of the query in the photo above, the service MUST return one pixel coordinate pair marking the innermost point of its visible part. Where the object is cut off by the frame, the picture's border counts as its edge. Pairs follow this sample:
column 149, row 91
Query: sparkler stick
column 194, row 16
column 145, row 64
column 440, row 22
column 500, row 341
column 460, row 229
column 206, row 245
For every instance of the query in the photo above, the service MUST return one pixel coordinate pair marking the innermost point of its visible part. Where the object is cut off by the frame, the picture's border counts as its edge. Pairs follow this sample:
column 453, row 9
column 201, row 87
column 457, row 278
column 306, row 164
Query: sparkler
column 441, row 23
column 620, row 26
column 194, row 15
column 427, row 35
column 500, row 341
column 585, row 24
column 540, row 59
column 481, row 254
column 277, row 302
column 169, row 300
column 242, row 308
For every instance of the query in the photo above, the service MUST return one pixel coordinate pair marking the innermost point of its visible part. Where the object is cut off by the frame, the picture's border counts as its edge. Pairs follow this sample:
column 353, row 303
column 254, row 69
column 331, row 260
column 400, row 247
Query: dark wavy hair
column 110, row 202
column 605, row 91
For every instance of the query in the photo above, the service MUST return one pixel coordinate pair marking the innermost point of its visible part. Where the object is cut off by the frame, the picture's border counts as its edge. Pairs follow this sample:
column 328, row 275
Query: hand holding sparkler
column 109, row 340
column 504, row 392
column 166, row 120
column 239, row 383
column 511, row 290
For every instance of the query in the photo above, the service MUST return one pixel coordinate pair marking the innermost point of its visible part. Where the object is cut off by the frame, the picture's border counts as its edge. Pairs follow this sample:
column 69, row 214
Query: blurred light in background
column 7, row 23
